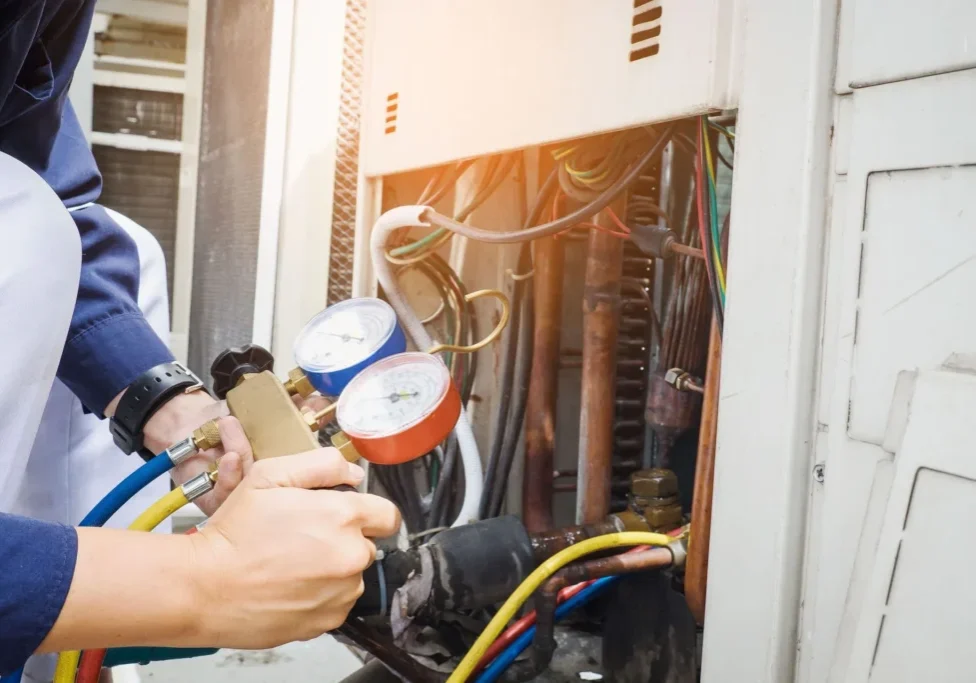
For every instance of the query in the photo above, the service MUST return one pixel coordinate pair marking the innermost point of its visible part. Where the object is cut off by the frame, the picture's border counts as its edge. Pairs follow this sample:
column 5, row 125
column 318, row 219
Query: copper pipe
column 547, row 543
column 392, row 657
column 696, row 566
column 601, row 313
column 685, row 250
column 625, row 465
column 617, row 486
column 540, row 410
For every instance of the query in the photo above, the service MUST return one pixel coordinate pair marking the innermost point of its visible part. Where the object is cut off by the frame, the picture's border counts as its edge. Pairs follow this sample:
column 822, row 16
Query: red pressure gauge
column 399, row 408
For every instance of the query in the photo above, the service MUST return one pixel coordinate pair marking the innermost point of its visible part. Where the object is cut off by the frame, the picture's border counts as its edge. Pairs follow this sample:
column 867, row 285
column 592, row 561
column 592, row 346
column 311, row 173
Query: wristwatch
column 150, row 392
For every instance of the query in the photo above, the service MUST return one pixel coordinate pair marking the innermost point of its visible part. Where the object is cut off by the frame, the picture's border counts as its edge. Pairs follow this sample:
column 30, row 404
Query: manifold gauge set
column 393, row 406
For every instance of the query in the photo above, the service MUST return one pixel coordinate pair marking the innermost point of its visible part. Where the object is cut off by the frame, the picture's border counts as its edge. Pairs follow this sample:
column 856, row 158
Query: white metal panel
column 898, row 39
column 895, row 218
column 463, row 79
column 918, row 262
column 767, row 403
column 918, row 235
column 920, row 592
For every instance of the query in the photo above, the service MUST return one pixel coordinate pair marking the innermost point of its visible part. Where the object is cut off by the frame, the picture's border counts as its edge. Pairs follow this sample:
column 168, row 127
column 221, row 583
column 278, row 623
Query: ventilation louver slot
column 645, row 33
column 392, row 103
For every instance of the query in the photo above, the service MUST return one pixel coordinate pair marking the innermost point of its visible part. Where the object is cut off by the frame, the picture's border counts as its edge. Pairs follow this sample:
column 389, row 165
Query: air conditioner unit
column 448, row 79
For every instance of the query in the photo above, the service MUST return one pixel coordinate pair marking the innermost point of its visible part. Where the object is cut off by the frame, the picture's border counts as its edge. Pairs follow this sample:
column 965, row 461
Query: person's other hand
column 279, row 562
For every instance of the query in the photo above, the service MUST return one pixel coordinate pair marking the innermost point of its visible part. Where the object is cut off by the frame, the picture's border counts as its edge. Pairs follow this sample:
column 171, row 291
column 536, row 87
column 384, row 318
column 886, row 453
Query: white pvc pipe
column 406, row 217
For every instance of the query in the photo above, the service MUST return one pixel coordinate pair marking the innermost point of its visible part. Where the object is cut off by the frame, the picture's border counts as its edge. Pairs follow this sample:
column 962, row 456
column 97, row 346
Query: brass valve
column 263, row 405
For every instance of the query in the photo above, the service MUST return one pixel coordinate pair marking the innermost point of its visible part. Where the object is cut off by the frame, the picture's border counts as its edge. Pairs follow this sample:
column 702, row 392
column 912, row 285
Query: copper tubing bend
column 696, row 566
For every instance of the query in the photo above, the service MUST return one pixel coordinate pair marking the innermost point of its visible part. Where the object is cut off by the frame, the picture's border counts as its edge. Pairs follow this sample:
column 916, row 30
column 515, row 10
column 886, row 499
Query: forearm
column 140, row 586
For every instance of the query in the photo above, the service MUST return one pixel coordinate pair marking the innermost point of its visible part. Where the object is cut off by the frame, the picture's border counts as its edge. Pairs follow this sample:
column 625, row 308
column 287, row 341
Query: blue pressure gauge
column 346, row 338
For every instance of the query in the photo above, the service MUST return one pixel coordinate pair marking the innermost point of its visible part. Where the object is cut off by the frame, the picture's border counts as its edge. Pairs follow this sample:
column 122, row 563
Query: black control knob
column 235, row 362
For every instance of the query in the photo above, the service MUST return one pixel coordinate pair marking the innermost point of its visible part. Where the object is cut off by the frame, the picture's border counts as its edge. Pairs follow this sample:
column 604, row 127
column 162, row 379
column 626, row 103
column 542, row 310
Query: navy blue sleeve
column 37, row 563
column 109, row 342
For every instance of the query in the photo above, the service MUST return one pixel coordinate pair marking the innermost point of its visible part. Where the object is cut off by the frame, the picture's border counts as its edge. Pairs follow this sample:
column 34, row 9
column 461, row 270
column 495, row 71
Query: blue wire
column 504, row 660
column 12, row 678
column 130, row 486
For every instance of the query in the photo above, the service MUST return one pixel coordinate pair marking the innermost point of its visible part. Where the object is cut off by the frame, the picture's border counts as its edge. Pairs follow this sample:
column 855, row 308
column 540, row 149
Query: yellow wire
column 67, row 666
column 562, row 153
column 719, row 270
column 153, row 516
column 536, row 579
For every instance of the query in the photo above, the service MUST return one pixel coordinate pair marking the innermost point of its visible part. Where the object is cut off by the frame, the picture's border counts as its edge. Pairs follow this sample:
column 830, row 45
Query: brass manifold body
column 271, row 419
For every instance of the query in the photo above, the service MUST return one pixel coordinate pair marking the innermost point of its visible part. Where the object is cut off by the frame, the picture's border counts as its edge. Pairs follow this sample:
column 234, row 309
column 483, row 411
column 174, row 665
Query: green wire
column 434, row 466
column 414, row 246
column 713, row 203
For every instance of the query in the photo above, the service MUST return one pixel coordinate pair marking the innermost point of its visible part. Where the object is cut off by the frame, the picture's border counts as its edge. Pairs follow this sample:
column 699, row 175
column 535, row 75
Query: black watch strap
column 151, row 390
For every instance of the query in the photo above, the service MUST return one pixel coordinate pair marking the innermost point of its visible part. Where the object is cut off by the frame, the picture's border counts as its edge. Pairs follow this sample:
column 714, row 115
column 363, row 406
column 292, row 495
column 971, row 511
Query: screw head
column 819, row 472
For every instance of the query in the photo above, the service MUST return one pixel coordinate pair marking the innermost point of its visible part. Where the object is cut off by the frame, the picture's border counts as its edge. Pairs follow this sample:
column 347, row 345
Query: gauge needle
column 346, row 337
column 395, row 396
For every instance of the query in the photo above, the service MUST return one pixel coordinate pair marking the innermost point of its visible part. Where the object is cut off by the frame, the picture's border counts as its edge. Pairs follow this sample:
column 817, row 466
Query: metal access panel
column 895, row 40
column 916, row 619
column 448, row 80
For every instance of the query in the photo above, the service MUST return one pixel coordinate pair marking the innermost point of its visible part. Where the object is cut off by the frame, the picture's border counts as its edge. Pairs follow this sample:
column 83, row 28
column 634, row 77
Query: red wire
column 623, row 228
column 90, row 667
column 522, row 625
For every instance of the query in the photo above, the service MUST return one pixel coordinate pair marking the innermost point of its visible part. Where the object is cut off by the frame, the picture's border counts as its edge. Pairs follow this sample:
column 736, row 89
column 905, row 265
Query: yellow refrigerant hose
column 154, row 515
column 536, row 579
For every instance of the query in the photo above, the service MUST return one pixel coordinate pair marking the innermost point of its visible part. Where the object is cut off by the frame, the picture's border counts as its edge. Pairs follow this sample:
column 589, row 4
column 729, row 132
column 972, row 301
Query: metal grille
column 138, row 112
column 145, row 187
column 232, row 137
column 347, row 155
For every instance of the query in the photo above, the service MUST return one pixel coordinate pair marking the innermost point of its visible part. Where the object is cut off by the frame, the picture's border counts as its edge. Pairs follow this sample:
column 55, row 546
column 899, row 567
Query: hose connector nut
column 198, row 486
column 683, row 381
column 679, row 551
column 207, row 435
column 181, row 451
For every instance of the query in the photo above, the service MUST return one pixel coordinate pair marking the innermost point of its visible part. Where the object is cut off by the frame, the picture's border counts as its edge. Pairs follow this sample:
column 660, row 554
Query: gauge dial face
column 392, row 395
column 344, row 335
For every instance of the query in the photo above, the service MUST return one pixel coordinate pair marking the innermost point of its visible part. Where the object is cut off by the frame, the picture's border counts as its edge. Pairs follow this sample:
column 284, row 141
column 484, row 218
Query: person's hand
column 177, row 419
column 278, row 562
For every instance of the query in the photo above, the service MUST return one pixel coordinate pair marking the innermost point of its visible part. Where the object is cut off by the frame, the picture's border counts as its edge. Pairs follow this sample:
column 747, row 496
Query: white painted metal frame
column 189, row 163
column 155, row 11
column 273, row 175
column 305, row 230
column 766, row 409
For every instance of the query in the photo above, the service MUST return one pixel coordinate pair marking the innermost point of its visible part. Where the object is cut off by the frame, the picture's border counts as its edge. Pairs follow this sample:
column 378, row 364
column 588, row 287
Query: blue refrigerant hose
column 126, row 489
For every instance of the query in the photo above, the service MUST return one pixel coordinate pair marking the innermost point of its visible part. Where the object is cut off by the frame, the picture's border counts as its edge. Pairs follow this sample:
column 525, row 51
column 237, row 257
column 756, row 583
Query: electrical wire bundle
column 708, row 219
column 586, row 176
